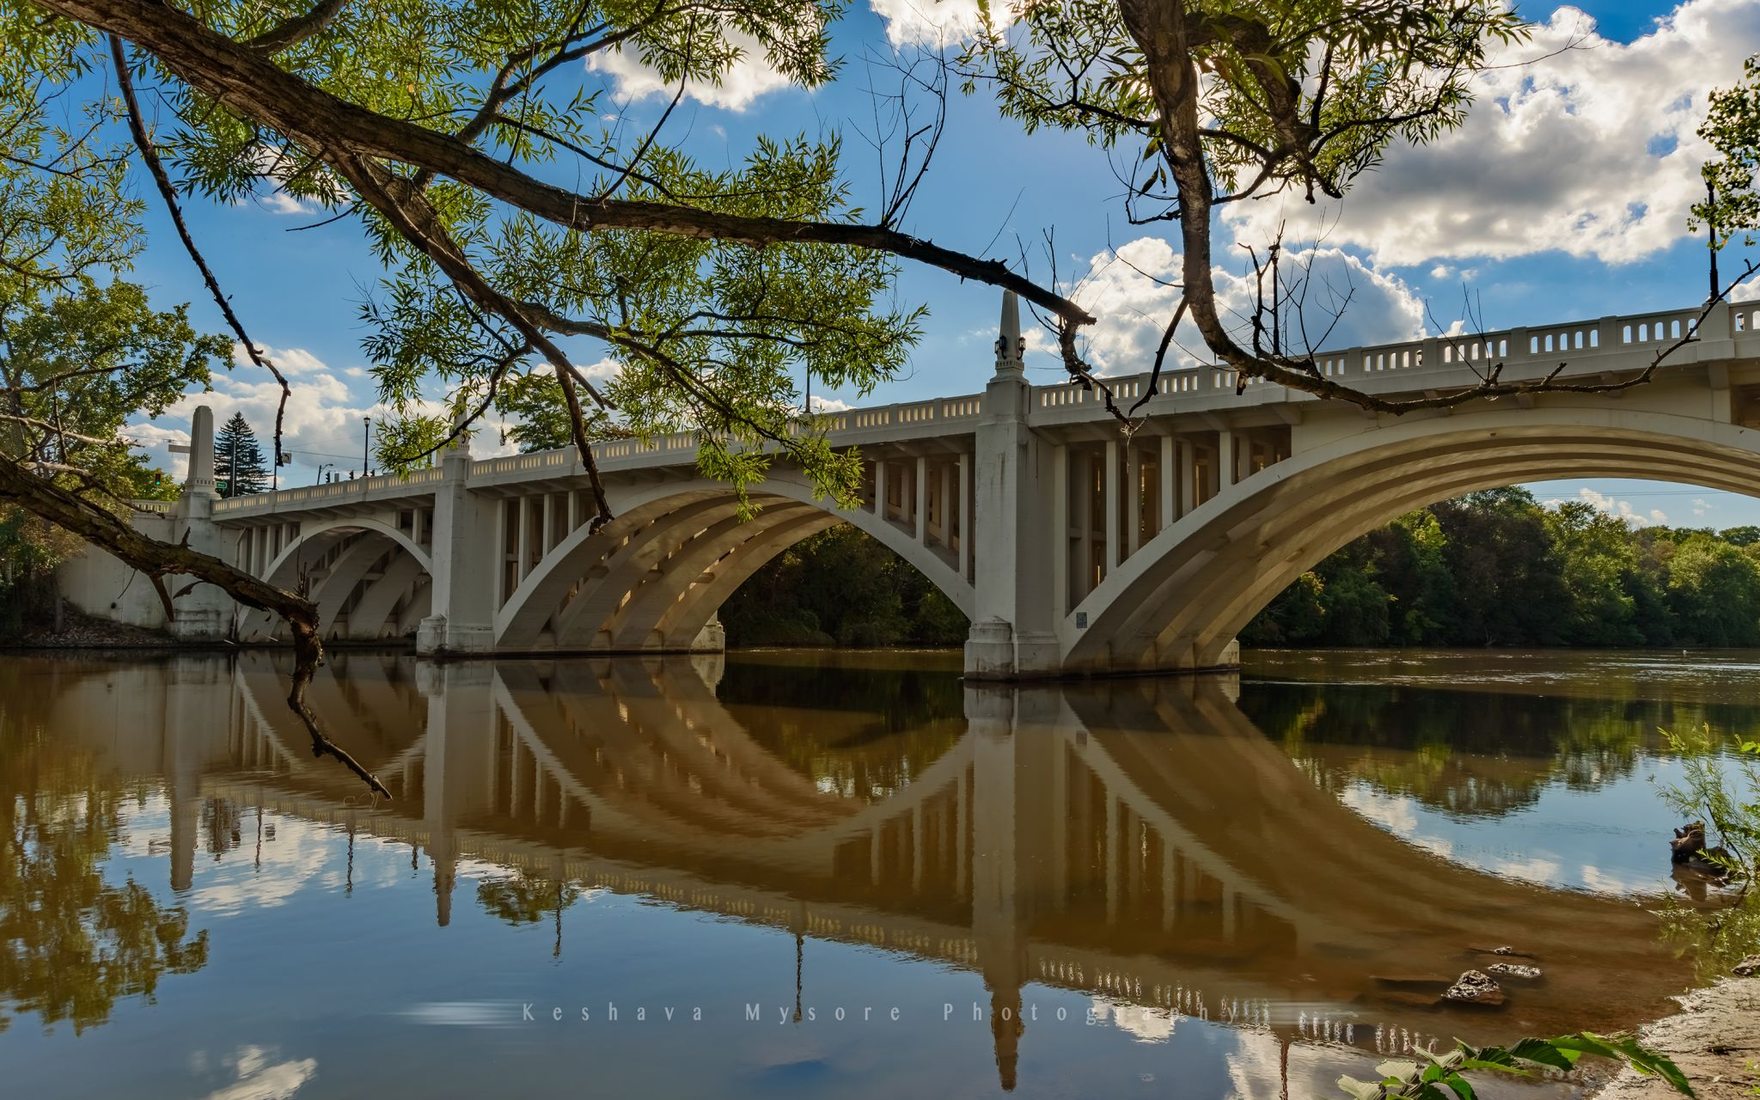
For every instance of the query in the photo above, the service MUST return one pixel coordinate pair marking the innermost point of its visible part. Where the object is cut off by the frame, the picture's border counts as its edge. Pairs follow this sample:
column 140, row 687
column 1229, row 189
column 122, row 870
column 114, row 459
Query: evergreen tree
column 236, row 443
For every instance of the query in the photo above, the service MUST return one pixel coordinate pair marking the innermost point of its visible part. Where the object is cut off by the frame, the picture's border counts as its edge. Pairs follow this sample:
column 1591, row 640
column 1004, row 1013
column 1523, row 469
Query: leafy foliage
column 1495, row 568
column 72, row 943
column 1428, row 1079
column 841, row 587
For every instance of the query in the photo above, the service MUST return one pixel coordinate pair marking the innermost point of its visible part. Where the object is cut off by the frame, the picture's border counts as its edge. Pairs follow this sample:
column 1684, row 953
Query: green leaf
column 1545, row 1052
column 1461, row 1087
column 1360, row 1090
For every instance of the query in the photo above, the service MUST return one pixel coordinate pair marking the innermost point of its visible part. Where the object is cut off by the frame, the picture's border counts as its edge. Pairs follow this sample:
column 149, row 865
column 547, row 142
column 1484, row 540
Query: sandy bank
column 1715, row 1039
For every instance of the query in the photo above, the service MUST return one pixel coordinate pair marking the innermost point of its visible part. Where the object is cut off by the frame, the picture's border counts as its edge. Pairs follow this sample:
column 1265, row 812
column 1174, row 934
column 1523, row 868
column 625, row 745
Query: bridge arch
column 351, row 569
column 1180, row 601
column 655, row 575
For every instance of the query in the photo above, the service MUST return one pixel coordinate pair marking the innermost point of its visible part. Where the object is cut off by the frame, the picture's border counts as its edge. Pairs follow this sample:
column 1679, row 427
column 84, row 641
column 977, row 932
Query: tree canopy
column 1497, row 568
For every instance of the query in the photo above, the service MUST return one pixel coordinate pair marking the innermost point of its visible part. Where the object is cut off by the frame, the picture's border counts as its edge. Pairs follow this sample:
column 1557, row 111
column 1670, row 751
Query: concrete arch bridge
column 1072, row 548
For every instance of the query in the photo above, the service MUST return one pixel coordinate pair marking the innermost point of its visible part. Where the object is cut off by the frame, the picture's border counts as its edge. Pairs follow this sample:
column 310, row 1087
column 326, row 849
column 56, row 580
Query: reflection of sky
column 1611, row 839
column 313, row 992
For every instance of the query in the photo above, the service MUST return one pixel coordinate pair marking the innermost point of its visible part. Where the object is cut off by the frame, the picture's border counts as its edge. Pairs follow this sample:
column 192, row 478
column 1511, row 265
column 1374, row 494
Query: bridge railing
column 845, row 427
column 1588, row 343
column 376, row 487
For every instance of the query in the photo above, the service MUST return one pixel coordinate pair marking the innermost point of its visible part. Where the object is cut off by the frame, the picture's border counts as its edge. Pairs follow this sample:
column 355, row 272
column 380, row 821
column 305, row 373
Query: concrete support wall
column 99, row 585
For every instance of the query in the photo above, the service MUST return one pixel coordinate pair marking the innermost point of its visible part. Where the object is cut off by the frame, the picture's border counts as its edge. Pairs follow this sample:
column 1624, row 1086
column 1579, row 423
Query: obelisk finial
column 200, row 480
column 1011, row 347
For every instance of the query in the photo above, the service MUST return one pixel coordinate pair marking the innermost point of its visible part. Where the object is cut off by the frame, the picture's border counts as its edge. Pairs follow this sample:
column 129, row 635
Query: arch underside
column 654, row 577
column 1181, row 601
column 369, row 584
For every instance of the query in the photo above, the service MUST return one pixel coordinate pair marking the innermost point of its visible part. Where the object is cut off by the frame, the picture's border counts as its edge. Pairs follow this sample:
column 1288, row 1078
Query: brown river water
column 819, row 874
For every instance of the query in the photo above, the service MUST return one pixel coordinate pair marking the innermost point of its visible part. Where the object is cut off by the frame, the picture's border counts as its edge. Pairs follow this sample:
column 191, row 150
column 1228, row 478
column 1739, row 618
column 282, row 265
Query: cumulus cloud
column 937, row 23
column 322, row 425
column 744, row 81
column 1130, row 293
column 280, row 202
column 1590, row 151
column 1620, row 509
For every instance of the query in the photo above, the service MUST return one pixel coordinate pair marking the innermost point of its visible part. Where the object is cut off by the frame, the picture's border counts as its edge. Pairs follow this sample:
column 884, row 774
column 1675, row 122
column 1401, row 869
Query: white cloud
column 1701, row 506
column 744, row 81
column 322, row 423
column 280, row 202
column 830, row 404
column 274, row 169
column 1131, row 296
column 1591, row 152
column 290, row 361
column 1621, row 509
column 937, row 23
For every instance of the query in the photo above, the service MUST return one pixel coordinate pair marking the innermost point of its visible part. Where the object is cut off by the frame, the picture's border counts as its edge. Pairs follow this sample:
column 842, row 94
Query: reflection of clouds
column 1532, row 869
column 1149, row 1025
column 1602, row 882
column 1257, row 1067
column 1396, row 813
column 261, row 1079
column 1515, row 848
column 299, row 855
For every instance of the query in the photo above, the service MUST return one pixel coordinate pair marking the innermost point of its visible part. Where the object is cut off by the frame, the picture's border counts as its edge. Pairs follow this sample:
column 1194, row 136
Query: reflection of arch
column 674, row 788
column 656, row 574
column 366, row 543
column 1181, row 599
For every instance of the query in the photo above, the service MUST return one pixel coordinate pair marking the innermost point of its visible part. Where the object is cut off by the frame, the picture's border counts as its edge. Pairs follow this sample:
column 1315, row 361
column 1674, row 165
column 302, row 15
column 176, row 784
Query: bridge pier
column 1014, row 632
column 461, row 617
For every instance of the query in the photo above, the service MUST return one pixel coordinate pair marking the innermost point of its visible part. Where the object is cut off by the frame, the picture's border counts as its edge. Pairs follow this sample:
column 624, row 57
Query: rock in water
column 1506, row 950
column 1514, row 970
column 1475, row 987
column 1748, row 967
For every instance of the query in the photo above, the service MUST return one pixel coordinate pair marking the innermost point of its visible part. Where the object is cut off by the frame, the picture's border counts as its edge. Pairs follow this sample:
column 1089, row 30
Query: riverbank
column 89, row 632
column 1714, row 1038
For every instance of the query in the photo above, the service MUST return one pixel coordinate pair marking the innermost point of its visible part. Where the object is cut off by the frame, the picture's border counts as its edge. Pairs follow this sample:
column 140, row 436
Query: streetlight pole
column 366, row 446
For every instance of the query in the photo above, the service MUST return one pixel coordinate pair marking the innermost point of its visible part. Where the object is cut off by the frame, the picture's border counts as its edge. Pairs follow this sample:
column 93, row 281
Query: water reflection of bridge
column 1139, row 840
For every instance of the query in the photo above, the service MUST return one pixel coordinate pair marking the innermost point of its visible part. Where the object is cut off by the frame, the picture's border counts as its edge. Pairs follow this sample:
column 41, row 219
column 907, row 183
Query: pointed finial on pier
column 1011, row 346
column 200, row 480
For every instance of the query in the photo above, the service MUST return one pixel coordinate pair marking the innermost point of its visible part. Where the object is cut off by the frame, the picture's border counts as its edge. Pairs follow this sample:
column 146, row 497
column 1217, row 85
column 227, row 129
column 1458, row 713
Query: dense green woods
column 840, row 587
column 1496, row 568
column 1492, row 568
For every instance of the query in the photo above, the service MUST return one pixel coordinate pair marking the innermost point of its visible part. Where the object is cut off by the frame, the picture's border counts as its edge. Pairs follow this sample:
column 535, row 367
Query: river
column 785, row 874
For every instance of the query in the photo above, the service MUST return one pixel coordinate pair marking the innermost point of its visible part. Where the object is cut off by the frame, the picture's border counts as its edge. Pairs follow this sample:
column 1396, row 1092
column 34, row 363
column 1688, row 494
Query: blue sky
column 1563, row 197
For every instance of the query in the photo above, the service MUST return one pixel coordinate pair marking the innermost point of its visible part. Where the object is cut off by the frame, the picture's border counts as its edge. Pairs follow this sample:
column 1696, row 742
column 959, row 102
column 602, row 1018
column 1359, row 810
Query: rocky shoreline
column 1714, row 1038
